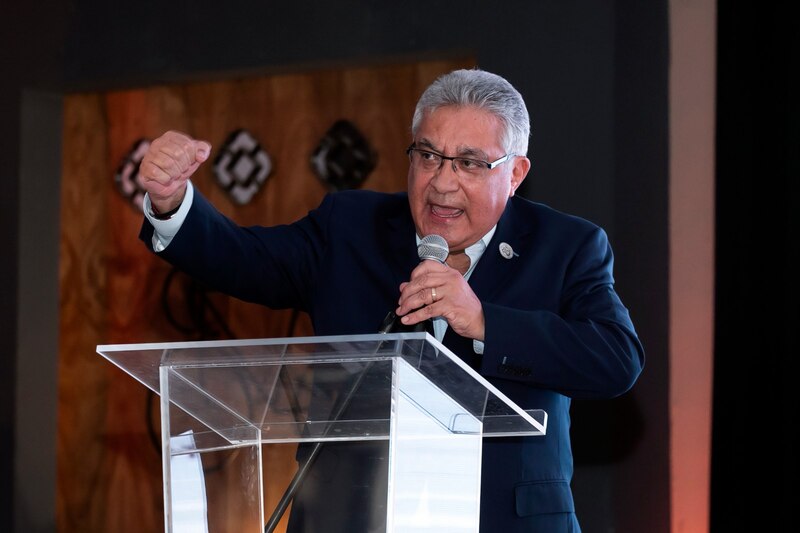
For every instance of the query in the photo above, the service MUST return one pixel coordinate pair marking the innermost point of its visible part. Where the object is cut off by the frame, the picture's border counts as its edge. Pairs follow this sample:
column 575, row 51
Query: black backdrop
column 755, row 443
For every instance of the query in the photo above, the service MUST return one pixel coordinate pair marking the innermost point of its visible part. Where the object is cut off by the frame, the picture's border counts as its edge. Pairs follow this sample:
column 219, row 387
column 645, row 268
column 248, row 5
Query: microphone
column 431, row 247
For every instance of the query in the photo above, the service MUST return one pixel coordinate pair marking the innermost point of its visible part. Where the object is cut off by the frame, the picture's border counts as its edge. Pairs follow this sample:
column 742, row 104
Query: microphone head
column 433, row 247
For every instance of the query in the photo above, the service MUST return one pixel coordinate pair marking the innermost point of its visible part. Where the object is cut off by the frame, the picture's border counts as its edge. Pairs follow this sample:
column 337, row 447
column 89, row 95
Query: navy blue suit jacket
column 555, row 327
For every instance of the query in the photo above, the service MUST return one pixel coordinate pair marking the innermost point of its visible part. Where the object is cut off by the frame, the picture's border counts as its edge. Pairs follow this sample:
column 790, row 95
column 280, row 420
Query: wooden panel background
column 109, row 466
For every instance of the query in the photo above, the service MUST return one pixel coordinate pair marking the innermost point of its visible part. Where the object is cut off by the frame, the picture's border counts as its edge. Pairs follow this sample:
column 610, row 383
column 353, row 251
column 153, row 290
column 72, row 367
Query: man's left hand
column 436, row 290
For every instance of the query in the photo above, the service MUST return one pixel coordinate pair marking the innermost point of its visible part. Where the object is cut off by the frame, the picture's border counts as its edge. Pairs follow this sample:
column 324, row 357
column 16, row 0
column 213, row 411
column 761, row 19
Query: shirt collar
column 476, row 250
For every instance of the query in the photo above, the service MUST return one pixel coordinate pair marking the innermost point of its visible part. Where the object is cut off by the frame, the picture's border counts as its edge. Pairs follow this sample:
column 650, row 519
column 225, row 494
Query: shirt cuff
column 165, row 230
column 477, row 346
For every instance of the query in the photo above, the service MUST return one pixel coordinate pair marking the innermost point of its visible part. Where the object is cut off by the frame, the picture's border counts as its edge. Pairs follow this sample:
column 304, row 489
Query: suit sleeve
column 587, row 349
column 273, row 266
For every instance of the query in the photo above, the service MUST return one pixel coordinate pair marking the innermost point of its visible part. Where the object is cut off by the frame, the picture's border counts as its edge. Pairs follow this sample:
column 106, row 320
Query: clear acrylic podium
column 222, row 401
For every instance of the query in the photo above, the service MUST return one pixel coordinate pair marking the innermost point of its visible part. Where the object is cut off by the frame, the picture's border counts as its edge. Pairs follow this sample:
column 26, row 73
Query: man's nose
column 446, row 178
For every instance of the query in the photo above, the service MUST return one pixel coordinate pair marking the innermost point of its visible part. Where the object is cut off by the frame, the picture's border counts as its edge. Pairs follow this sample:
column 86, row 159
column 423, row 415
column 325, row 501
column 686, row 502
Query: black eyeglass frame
column 484, row 164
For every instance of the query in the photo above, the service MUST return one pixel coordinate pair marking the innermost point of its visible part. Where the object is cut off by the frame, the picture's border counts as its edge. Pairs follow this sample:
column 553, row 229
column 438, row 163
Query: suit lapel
column 493, row 270
column 401, row 244
column 491, row 273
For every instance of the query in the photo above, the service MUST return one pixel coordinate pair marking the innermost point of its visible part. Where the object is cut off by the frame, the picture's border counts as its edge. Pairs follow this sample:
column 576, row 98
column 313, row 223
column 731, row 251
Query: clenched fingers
column 170, row 160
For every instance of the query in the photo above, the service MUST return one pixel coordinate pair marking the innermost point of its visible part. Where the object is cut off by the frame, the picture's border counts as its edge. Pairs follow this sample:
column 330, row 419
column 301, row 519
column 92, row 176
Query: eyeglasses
column 428, row 161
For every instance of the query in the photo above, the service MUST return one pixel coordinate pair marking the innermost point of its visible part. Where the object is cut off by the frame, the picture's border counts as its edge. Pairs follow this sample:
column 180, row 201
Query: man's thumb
column 202, row 151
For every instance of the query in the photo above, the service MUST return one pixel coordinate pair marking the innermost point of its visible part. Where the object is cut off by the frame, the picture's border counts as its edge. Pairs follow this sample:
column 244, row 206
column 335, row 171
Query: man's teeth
column 446, row 212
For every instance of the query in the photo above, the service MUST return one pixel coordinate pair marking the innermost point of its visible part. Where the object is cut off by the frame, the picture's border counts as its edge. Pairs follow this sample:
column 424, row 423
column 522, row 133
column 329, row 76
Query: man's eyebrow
column 472, row 152
column 466, row 151
column 425, row 143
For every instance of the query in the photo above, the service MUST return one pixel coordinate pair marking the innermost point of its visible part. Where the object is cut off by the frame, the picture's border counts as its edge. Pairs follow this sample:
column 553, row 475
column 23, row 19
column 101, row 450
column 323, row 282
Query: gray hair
column 483, row 90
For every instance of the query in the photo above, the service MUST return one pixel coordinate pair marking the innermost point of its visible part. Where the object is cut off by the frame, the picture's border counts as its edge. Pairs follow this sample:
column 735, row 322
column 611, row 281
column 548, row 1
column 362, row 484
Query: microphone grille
column 433, row 247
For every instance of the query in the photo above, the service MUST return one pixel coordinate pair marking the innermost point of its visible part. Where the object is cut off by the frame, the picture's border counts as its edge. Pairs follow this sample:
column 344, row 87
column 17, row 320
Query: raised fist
column 168, row 163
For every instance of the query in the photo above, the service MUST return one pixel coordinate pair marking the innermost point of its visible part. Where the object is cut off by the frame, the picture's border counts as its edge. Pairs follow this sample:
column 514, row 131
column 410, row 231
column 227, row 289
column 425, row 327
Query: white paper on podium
column 189, row 504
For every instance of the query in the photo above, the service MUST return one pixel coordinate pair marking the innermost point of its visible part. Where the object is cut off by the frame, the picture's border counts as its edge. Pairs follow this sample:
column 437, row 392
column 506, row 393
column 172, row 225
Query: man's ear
column 518, row 172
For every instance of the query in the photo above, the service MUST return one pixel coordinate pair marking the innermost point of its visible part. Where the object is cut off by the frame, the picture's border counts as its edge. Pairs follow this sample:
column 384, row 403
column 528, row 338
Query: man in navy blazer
column 526, row 297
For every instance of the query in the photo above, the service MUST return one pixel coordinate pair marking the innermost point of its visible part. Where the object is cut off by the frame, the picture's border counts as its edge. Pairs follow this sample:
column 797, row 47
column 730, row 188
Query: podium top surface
column 320, row 388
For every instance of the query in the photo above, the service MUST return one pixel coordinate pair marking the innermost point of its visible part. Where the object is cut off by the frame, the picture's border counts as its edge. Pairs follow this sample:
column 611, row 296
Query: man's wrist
column 165, row 215
column 167, row 223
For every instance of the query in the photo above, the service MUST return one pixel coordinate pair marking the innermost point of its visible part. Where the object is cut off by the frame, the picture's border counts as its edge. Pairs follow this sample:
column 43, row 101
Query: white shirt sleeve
column 165, row 230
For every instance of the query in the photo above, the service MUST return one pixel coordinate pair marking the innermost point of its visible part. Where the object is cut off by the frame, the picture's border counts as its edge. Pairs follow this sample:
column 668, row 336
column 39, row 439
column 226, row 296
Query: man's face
column 459, row 207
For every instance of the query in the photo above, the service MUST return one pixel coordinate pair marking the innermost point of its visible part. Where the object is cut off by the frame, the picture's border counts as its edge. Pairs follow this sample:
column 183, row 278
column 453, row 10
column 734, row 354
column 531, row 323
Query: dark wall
column 31, row 45
column 593, row 74
column 754, row 434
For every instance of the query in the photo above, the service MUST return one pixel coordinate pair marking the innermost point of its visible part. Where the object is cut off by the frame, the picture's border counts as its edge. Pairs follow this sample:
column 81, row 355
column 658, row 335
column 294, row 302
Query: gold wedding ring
column 433, row 293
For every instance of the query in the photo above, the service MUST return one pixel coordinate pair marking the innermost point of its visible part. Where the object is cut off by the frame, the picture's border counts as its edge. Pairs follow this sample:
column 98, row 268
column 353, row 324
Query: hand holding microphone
column 433, row 248
column 437, row 290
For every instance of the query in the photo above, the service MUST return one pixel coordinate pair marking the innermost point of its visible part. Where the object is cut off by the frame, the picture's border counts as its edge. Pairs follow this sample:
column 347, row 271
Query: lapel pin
column 507, row 251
